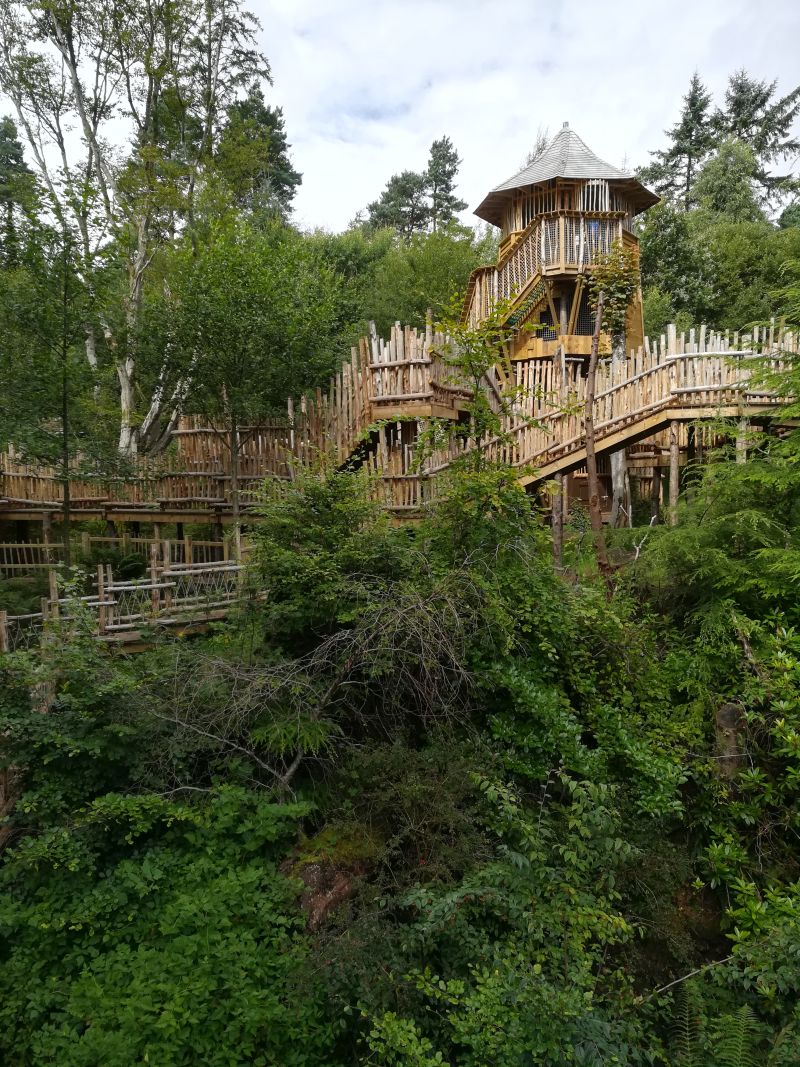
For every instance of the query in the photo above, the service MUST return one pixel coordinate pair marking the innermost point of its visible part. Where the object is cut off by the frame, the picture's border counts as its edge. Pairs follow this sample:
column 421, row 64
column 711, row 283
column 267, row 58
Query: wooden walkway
column 375, row 406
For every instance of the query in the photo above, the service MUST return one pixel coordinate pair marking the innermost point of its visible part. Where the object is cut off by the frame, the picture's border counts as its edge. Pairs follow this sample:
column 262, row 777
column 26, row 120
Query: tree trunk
column 65, row 427
column 741, row 441
column 595, row 509
column 655, row 495
column 620, row 503
column 237, row 526
column 558, row 522
column 674, row 473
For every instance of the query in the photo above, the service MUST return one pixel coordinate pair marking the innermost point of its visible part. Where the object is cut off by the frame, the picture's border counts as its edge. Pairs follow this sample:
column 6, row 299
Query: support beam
column 557, row 504
column 655, row 495
column 741, row 440
column 674, row 473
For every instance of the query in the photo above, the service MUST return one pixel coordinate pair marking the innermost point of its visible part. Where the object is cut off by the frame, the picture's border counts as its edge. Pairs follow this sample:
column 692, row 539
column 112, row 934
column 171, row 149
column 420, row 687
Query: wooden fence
column 380, row 398
column 171, row 595
column 30, row 557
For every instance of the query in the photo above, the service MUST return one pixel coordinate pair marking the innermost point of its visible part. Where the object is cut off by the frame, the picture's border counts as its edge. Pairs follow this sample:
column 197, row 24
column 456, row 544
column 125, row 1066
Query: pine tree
column 443, row 164
column 753, row 114
column 402, row 205
column 673, row 171
column 253, row 155
column 727, row 184
column 17, row 191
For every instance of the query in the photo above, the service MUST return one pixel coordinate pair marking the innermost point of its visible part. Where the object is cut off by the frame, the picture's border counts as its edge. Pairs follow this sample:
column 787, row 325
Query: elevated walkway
column 375, row 406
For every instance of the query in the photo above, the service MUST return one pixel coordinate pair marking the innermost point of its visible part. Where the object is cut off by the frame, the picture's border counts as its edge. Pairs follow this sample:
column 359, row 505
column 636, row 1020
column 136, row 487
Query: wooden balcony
column 563, row 244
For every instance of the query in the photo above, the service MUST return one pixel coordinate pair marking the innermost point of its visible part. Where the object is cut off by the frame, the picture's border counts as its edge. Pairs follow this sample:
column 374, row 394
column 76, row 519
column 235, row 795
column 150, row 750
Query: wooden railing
column 373, row 409
column 566, row 242
column 171, row 595
column 29, row 557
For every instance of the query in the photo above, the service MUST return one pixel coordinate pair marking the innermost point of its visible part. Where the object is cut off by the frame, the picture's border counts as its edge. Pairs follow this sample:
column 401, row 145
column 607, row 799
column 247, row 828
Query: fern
column 736, row 1042
column 686, row 1028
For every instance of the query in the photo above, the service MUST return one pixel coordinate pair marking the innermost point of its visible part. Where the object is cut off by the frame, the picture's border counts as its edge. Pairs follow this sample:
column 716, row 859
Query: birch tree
column 121, row 104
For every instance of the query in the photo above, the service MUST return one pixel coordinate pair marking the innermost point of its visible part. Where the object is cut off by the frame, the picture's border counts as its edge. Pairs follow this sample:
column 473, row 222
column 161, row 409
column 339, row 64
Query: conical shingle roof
column 565, row 157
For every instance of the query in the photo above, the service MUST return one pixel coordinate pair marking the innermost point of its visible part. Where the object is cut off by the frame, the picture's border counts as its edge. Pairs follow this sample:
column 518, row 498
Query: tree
column 253, row 156
column 727, row 183
column 440, row 176
column 402, row 205
column 674, row 262
column 541, row 141
column 692, row 138
column 253, row 315
column 416, row 202
column 754, row 115
column 167, row 72
column 18, row 193
column 43, row 374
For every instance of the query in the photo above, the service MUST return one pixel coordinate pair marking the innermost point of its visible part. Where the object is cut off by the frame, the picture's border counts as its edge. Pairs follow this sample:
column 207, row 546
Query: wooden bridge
column 373, row 411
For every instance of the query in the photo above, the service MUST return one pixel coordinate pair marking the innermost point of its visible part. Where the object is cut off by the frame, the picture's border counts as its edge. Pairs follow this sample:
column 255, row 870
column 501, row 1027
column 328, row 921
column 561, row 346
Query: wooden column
column 558, row 522
column 655, row 495
column 4, row 642
column 674, row 473
column 741, row 441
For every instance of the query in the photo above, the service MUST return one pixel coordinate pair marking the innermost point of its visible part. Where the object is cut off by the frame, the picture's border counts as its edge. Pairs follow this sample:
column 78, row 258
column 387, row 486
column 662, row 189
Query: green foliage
column 414, row 202
column 148, row 929
column 616, row 276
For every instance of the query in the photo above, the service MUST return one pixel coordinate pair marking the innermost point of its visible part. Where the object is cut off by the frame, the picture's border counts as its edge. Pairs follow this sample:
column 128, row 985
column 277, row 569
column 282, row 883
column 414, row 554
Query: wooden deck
column 371, row 414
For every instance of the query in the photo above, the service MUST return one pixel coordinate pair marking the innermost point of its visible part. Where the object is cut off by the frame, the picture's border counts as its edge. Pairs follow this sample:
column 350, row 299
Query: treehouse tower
column 555, row 217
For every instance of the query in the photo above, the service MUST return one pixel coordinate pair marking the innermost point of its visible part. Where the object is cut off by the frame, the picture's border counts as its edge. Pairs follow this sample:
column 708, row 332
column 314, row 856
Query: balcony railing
column 564, row 244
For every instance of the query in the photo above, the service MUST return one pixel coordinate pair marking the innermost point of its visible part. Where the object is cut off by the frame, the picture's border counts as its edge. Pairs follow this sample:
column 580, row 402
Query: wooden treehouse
column 556, row 217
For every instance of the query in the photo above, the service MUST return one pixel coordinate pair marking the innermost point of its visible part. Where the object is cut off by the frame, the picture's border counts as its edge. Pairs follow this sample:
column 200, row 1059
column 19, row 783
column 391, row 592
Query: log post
column 4, row 641
column 595, row 507
column 86, row 544
column 110, row 595
column 655, row 494
column 674, row 473
column 558, row 522
column 154, row 599
column 52, row 580
column 47, row 535
column 102, row 617
column 741, row 441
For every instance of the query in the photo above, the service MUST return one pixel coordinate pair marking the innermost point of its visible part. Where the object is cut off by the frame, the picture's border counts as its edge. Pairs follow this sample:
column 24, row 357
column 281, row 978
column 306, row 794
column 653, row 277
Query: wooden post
column 595, row 507
column 110, row 595
column 111, row 528
column 47, row 535
column 86, row 545
column 101, row 598
column 655, row 494
column 154, row 599
column 52, row 579
column 188, row 550
column 674, row 473
column 4, row 642
column 741, row 441
column 558, row 522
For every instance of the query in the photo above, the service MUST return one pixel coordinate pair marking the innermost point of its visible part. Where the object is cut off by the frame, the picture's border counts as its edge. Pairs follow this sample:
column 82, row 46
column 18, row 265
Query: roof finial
column 565, row 125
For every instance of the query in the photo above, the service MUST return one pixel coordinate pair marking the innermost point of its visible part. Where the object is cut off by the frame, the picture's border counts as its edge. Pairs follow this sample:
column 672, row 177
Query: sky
column 367, row 85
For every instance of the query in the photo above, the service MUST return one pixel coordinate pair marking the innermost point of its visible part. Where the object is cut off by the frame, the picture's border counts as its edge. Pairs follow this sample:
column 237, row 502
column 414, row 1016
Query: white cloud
column 366, row 85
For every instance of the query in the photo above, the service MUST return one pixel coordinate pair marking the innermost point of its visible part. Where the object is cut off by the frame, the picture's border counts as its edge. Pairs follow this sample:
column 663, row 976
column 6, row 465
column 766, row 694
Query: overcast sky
column 366, row 85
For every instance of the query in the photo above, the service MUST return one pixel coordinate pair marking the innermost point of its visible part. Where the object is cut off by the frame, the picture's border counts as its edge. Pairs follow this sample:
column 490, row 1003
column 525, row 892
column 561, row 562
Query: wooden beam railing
column 405, row 376
column 173, row 595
